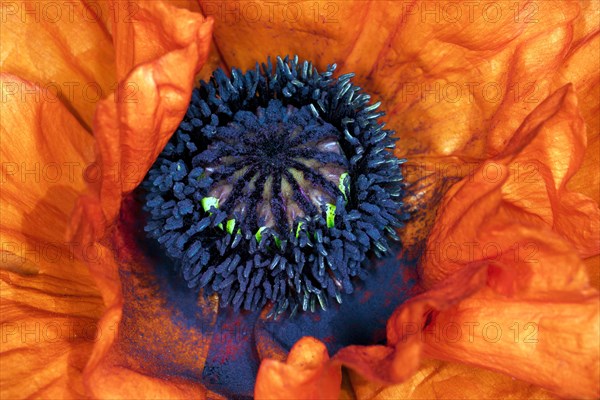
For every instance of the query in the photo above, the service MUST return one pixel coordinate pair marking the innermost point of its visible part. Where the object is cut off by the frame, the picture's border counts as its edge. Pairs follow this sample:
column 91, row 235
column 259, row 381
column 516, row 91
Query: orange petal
column 442, row 380
column 155, row 29
column 582, row 64
column 448, row 73
column 50, row 305
column 45, row 154
column 47, row 337
column 544, row 154
column 587, row 179
column 306, row 374
column 400, row 359
column 526, row 183
column 537, row 320
column 582, row 68
column 535, row 282
column 147, row 349
column 133, row 125
column 124, row 383
column 452, row 242
column 427, row 181
column 593, row 269
column 68, row 52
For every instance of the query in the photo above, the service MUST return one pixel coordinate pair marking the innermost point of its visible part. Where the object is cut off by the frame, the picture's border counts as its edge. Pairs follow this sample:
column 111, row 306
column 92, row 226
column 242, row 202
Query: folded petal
column 454, row 78
column 581, row 68
column 400, row 358
column 306, row 374
column 582, row 63
column 443, row 380
column 47, row 337
column 158, row 331
column 544, row 155
column 513, row 225
column 536, row 319
column 527, row 182
column 155, row 29
column 68, row 52
column 46, row 153
column 156, row 80
column 50, row 305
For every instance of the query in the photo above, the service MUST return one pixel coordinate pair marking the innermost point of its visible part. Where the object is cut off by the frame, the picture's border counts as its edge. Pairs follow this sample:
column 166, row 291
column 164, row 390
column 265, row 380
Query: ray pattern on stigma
column 276, row 188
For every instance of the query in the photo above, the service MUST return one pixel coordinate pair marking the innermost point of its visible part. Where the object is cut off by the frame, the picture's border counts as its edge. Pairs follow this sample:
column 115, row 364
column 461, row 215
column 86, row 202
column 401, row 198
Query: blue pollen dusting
column 276, row 188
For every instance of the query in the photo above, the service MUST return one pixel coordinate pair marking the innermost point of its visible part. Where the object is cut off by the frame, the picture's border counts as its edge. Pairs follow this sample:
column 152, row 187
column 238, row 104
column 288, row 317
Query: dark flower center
column 274, row 166
column 276, row 187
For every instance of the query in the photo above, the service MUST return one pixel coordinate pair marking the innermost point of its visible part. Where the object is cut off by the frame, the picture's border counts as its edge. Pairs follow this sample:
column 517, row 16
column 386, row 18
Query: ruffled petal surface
column 67, row 53
column 160, row 331
column 508, row 290
column 439, row 380
column 415, row 66
column 158, row 53
column 581, row 68
column 537, row 324
column 528, row 180
column 447, row 73
column 531, row 232
column 50, row 305
column 304, row 375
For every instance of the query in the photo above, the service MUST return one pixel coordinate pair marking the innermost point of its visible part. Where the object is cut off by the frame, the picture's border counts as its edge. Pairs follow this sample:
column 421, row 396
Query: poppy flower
column 495, row 107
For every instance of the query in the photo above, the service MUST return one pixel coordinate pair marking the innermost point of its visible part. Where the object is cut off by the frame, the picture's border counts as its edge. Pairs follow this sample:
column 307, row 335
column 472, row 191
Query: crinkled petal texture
column 527, row 231
column 529, row 180
column 53, row 168
column 159, row 333
column 507, row 290
column 468, row 96
column 158, row 50
column 446, row 380
column 68, row 52
column 158, row 53
column 50, row 305
column 304, row 375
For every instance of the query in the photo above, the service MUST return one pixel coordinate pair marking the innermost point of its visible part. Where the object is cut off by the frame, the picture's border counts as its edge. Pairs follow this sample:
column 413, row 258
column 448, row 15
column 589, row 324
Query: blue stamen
column 276, row 188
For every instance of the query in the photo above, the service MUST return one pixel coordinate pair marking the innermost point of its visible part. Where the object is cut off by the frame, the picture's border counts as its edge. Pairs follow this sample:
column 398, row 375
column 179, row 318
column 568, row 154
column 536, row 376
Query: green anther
column 209, row 202
column 230, row 226
column 342, row 185
column 330, row 215
column 298, row 228
column 258, row 234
